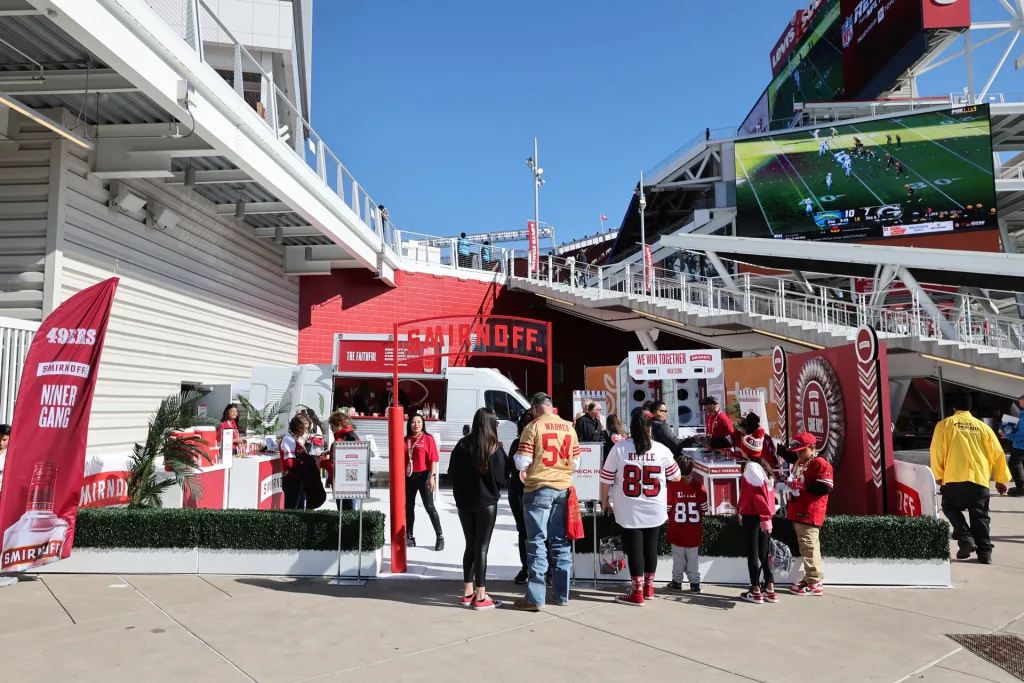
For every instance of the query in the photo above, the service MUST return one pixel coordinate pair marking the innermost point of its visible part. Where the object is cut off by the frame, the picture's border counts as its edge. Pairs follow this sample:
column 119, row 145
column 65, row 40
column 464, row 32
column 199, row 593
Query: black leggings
column 641, row 548
column 758, row 550
column 515, row 502
column 417, row 481
column 477, row 525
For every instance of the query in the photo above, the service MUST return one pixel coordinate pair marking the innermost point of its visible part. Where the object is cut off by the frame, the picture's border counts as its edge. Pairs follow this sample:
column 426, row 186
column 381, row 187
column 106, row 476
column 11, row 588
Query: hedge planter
column 865, row 551
column 254, row 542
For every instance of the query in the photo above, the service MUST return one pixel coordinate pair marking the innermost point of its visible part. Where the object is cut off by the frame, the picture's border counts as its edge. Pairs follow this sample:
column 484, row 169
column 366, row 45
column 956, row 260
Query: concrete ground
column 108, row 629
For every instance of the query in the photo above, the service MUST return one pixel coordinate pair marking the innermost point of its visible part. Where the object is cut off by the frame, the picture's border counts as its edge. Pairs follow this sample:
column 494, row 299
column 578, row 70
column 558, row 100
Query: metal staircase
column 755, row 312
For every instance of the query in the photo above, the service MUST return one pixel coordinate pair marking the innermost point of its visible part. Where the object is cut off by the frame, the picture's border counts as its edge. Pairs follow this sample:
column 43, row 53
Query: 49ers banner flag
column 46, row 456
column 533, row 238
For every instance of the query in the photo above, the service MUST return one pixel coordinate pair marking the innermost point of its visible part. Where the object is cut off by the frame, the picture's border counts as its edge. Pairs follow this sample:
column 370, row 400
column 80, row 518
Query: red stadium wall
column 353, row 301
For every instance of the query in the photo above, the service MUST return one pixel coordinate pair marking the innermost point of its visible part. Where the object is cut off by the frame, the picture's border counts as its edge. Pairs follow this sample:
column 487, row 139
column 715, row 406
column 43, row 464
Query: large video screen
column 758, row 118
column 814, row 71
column 917, row 174
column 873, row 33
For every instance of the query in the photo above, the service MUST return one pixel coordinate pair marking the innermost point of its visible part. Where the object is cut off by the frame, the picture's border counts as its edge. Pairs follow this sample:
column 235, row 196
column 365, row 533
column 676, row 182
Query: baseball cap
column 802, row 440
column 710, row 401
column 539, row 399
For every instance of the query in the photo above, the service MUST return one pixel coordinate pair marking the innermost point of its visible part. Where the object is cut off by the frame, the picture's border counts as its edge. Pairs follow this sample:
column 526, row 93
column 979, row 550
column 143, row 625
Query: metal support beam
column 290, row 231
column 908, row 279
column 802, row 279
column 723, row 272
column 647, row 340
column 253, row 208
column 144, row 150
column 65, row 82
column 995, row 265
column 1010, row 247
column 232, row 177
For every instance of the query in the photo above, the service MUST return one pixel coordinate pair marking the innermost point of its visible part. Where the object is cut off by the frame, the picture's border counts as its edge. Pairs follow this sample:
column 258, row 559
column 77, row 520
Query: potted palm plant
column 181, row 454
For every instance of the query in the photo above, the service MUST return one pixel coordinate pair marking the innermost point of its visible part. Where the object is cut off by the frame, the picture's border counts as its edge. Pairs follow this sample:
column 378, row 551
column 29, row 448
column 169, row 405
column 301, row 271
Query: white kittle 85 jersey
column 638, row 482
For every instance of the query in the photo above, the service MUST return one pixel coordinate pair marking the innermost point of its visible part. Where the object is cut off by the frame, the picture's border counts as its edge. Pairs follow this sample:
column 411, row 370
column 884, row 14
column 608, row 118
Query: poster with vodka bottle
column 42, row 481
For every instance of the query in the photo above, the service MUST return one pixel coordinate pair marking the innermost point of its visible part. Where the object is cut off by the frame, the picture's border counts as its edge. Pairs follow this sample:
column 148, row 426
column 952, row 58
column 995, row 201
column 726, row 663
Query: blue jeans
column 546, row 520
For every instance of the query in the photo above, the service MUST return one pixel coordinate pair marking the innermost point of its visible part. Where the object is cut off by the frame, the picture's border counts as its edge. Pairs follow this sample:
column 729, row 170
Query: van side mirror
column 465, row 430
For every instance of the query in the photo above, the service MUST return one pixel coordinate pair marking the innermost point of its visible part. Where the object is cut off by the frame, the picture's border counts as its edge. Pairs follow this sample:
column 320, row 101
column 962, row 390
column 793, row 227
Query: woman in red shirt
column 229, row 420
column 421, row 459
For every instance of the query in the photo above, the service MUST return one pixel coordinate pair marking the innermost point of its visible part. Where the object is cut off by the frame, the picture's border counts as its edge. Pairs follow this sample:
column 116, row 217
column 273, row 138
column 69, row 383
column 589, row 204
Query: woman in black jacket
column 477, row 472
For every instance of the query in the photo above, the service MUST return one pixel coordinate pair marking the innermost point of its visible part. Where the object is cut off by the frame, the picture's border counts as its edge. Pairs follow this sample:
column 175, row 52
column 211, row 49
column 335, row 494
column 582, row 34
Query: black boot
column 410, row 541
column 966, row 549
column 439, row 546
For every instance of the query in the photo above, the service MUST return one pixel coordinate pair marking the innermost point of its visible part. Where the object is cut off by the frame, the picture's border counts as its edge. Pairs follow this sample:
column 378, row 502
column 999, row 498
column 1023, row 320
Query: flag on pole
column 46, row 458
column 603, row 217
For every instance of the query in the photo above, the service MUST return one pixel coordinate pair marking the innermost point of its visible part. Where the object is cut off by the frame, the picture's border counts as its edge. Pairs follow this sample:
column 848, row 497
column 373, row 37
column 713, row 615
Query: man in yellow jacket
column 966, row 455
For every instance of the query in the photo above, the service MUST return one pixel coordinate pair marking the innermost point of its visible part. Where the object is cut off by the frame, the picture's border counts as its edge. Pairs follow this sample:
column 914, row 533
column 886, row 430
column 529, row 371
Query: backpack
column 780, row 556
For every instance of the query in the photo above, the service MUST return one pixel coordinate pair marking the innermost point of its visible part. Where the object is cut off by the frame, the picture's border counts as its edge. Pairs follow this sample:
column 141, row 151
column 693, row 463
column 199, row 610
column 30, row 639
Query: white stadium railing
column 15, row 338
column 825, row 309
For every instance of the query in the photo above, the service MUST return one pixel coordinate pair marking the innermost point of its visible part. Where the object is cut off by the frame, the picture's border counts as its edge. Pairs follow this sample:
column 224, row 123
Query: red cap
column 802, row 440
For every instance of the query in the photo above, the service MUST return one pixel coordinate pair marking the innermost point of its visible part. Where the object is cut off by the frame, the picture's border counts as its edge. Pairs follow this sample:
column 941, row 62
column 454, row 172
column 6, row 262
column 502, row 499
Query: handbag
column 574, row 525
column 780, row 556
column 613, row 560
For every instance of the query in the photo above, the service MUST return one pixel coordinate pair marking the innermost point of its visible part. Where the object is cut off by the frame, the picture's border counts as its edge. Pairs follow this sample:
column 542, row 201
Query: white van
column 454, row 394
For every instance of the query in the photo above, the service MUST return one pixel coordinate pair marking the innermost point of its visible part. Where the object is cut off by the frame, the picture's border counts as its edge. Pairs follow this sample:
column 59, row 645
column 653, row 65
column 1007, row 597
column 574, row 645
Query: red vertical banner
column 649, row 267
column 46, row 456
column 531, row 235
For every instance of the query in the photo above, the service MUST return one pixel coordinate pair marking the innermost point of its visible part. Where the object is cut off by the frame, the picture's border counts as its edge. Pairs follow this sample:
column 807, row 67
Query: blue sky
column 434, row 106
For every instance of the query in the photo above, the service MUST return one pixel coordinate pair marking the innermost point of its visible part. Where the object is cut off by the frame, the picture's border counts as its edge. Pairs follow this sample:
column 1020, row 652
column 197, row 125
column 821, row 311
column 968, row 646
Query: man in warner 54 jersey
column 547, row 449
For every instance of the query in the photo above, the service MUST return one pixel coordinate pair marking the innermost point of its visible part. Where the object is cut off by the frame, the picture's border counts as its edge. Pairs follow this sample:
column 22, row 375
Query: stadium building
column 167, row 142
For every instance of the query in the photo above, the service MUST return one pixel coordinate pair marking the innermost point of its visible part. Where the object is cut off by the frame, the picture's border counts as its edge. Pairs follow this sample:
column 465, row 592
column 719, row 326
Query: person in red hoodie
column 756, row 508
column 807, row 491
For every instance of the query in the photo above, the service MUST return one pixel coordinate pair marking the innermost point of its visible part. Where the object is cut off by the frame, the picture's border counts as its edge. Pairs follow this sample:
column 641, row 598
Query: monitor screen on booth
column 911, row 175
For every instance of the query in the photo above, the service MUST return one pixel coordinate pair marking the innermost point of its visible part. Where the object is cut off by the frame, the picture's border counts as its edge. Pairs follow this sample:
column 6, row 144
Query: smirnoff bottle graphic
column 38, row 537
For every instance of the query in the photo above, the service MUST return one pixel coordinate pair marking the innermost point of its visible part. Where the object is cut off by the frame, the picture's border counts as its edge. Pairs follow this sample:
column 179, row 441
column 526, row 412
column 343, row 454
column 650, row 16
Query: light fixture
column 789, row 339
column 45, row 121
column 309, row 254
column 190, row 175
column 123, row 198
column 240, row 210
column 946, row 360
column 551, row 298
column 278, row 235
column 162, row 218
column 999, row 372
column 659, row 318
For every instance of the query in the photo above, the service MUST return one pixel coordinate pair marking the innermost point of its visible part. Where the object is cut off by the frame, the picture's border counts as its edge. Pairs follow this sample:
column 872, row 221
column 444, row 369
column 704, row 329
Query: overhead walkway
column 749, row 312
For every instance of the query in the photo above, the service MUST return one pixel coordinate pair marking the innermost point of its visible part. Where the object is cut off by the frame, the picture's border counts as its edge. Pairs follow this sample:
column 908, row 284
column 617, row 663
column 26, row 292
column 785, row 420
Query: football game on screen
column 913, row 174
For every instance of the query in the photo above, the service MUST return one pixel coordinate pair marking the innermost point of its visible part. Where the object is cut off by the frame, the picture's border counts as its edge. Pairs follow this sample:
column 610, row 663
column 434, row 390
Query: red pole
column 396, row 471
column 551, row 386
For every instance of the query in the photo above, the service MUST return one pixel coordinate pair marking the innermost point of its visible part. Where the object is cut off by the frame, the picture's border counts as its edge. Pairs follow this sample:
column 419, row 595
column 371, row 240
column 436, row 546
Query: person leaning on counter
column 718, row 428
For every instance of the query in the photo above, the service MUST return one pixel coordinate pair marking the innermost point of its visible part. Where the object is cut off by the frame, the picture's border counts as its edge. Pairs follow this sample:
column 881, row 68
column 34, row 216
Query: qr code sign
column 351, row 475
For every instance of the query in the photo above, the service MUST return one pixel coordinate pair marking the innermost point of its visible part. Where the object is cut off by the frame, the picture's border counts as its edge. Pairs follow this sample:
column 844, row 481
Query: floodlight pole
column 643, row 233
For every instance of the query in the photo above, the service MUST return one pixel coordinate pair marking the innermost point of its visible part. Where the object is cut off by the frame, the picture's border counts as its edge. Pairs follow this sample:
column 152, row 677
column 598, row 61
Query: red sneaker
column 798, row 588
column 756, row 598
column 817, row 589
column 806, row 589
column 633, row 598
column 770, row 596
column 649, row 591
column 487, row 603
column 467, row 600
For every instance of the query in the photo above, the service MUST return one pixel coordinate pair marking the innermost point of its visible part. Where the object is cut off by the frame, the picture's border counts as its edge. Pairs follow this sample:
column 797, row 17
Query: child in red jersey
column 687, row 507
column 807, row 492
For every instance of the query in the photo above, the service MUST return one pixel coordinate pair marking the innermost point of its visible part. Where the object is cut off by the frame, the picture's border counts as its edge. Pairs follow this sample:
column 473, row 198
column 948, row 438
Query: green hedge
column 226, row 529
column 873, row 537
